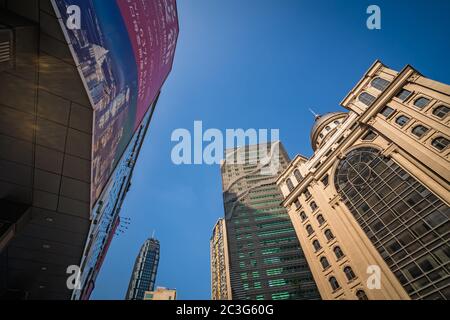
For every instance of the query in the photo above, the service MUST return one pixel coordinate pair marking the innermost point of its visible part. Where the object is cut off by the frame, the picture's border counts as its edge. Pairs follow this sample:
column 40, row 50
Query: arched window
column 338, row 252
column 328, row 128
column 361, row 295
column 441, row 111
column 320, row 219
column 334, row 283
column 324, row 262
column 402, row 120
column 379, row 83
column 309, row 229
column 297, row 175
column 316, row 245
column 313, row 206
column 419, row 131
column 440, row 143
column 365, row 179
column 289, row 184
column 349, row 273
column 366, row 98
column 336, row 122
column 421, row 102
column 329, row 235
column 321, row 135
column 303, row 216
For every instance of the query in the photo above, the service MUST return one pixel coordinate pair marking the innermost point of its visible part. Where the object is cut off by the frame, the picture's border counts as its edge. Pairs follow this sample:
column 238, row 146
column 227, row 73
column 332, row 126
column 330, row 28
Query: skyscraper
column 75, row 107
column 371, row 206
column 144, row 272
column 263, row 256
column 220, row 274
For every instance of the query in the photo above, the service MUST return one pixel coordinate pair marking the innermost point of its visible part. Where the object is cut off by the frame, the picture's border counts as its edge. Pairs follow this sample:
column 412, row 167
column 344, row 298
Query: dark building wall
column 45, row 143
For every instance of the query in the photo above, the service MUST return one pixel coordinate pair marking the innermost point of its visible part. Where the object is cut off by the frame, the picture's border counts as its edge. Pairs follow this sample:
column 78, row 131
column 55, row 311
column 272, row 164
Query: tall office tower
column 371, row 206
column 220, row 275
column 143, row 276
column 265, row 258
column 74, row 110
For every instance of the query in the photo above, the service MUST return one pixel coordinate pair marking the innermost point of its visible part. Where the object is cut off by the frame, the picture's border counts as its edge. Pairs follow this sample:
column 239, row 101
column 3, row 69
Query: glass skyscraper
column 264, row 254
column 144, row 271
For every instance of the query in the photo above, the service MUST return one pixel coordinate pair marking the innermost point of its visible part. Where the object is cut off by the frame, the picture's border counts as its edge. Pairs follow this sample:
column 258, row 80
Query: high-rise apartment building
column 75, row 106
column 371, row 206
column 220, row 274
column 161, row 294
column 144, row 272
column 259, row 244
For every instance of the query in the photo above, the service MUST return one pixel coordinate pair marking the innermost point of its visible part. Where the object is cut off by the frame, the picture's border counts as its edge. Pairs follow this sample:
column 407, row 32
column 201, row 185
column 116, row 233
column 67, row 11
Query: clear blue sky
column 254, row 64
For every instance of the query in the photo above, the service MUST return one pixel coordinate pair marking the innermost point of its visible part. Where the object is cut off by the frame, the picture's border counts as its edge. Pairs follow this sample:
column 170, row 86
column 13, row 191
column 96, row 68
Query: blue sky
column 254, row 64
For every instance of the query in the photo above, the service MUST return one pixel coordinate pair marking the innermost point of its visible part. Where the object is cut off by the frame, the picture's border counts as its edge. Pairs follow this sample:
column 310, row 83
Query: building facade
column 220, row 274
column 265, row 261
column 71, row 126
column 161, row 294
column 371, row 206
column 144, row 272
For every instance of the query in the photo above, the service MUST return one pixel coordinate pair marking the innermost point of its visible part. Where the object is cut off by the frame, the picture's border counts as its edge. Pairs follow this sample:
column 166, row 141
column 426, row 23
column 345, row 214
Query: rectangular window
column 403, row 94
column 325, row 180
column 387, row 111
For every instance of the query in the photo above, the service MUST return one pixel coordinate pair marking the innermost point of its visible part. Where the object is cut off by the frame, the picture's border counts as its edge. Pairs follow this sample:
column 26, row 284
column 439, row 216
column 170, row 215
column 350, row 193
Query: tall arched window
column 421, row 102
column 349, row 273
column 309, row 229
column 320, row 219
column 324, row 262
column 361, row 295
column 316, row 245
column 303, row 216
column 441, row 111
column 297, row 175
column 338, row 252
column 334, row 283
column 289, row 184
column 397, row 213
column 329, row 235
column 366, row 98
column 313, row 206
column 440, row 143
column 379, row 83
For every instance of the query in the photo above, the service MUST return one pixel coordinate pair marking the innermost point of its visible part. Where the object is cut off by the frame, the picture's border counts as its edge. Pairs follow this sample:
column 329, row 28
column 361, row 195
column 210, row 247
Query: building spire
column 316, row 115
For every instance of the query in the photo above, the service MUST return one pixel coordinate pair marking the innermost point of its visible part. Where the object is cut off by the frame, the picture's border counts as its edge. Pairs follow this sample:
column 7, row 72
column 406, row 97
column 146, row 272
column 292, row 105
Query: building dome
column 324, row 127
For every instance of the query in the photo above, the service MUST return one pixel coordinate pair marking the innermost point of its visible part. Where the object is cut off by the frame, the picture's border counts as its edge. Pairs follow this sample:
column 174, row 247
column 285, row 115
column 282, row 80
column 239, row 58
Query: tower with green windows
column 265, row 259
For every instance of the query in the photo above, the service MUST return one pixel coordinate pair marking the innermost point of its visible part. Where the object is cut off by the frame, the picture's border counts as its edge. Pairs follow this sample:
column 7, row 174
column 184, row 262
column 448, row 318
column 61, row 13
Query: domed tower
column 324, row 127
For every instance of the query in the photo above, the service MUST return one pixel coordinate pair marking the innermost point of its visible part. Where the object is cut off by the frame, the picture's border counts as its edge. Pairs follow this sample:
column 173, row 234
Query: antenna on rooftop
column 316, row 115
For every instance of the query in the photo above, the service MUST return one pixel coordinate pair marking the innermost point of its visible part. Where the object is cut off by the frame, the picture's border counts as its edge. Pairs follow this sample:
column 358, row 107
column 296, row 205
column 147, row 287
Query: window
column 421, row 102
column 369, row 136
column 325, row 180
column 441, row 111
column 324, row 262
column 402, row 120
column 361, row 295
column 329, row 235
column 290, row 185
column 338, row 252
column 320, row 219
column 307, row 194
column 387, row 111
column 321, row 135
column 396, row 211
column 327, row 128
column 316, row 245
column 334, row 283
column 440, row 143
column 309, row 229
column 313, row 206
column 380, row 83
column 419, row 131
column 303, row 216
column 297, row 175
column 366, row 98
column 336, row 122
column 297, row 204
column 403, row 94
column 349, row 273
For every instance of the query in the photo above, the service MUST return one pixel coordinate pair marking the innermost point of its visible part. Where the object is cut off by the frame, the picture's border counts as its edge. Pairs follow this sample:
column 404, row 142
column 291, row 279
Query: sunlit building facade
column 220, row 275
column 265, row 261
column 371, row 206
